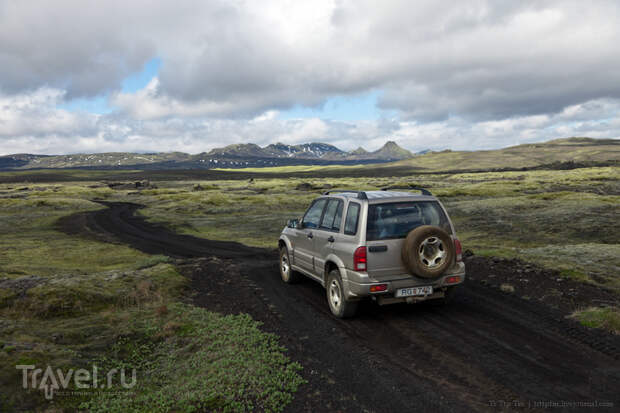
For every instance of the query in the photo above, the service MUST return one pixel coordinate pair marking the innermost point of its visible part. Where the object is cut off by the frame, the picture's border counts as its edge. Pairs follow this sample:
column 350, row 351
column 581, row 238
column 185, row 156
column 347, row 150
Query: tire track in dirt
column 484, row 350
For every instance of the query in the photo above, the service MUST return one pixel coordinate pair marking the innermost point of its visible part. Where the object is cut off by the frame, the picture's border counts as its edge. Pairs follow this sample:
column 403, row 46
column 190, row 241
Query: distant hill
column 107, row 160
column 359, row 151
column 231, row 156
column 17, row 160
column 558, row 154
column 391, row 151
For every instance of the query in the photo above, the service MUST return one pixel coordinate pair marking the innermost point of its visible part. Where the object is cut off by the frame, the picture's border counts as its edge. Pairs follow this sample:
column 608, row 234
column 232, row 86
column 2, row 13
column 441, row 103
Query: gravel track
column 486, row 351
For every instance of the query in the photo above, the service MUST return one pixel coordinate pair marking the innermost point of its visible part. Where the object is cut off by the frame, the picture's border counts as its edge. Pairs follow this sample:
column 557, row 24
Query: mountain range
column 231, row 156
column 563, row 153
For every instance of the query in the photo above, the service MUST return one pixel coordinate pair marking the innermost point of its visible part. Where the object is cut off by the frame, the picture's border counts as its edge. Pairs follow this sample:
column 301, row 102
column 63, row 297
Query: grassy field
column 521, row 156
column 69, row 301
column 565, row 220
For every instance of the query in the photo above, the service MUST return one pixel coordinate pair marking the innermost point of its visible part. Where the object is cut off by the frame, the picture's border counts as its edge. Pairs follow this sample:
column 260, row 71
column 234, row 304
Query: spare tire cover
column 428, row 251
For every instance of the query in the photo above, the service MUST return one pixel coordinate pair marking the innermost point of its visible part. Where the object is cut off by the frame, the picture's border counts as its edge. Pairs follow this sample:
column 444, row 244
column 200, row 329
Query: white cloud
column 32, row 123
column 35, row 114
column 463, row 74
column 477, row 59
column 149, row 103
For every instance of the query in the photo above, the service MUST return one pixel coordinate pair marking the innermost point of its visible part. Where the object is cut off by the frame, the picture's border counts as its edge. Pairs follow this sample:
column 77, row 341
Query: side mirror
column 293, row 223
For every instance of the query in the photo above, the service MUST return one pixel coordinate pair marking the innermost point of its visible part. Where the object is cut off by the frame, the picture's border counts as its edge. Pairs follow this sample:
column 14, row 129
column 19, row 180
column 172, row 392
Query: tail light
column 453, row 279
column 359, row 259
column 377, row 288
column 458, row 250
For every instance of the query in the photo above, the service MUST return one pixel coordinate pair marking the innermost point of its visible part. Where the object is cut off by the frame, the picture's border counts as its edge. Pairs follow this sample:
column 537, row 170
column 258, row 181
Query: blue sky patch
column 139, row 80
column 97, row 104
column 131, row 84
column 362, row 106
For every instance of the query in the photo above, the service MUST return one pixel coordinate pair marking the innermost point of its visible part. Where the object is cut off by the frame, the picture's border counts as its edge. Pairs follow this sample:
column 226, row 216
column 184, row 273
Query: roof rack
column 360, row 194
column 424, row 191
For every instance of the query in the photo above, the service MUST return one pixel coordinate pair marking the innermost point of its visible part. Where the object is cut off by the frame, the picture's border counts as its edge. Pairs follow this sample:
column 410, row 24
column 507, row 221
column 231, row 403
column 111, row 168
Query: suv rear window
column 395, row 220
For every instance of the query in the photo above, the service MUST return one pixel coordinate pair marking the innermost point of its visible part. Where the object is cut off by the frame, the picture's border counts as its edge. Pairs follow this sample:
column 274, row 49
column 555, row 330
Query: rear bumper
column 357, row 285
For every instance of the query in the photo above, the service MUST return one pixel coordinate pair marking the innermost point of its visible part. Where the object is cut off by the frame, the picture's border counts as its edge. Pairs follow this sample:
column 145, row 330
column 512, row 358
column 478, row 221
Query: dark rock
column 468, row 253
column 21, row 284
column 131, row 185
column 120, row 185
column 305, row 186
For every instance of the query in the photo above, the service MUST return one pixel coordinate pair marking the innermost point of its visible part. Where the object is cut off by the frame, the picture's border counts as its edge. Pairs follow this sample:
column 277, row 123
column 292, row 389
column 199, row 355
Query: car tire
column 428, row 251
column 338, row 304
column 286, row 272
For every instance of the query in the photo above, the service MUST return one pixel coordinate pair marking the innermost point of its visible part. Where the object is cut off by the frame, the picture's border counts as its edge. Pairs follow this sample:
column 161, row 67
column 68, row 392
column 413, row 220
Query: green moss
column 592, row 262
column 31, row 244
column 91, row 297
column 575, row 275
column 48, row 252
column 607, row 318
column 76, row 294
column 194, row 359
column 6, row 296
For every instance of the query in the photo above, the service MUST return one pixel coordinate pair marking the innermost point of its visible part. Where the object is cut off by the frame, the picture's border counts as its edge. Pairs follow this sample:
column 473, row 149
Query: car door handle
column 331, row 239
column 310, row 235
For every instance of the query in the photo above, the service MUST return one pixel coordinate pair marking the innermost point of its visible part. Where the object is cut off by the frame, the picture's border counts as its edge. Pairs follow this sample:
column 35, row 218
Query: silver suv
column 390, row 246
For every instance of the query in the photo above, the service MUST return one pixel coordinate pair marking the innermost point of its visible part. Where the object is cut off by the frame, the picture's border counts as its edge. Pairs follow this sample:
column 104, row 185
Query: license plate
column 414, row 291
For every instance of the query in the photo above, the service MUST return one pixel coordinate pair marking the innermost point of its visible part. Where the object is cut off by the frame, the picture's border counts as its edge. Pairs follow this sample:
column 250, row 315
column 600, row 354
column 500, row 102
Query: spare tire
column 428, row 251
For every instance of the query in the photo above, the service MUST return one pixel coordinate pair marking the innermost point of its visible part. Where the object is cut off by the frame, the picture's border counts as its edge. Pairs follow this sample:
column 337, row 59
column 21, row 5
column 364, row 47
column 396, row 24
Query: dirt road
column 487, row 350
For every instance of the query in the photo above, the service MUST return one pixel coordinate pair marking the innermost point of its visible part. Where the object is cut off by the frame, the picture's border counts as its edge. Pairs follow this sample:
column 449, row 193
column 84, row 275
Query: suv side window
column 331, row 213
column 313, row 215
column 338, row 217
column 353, row 214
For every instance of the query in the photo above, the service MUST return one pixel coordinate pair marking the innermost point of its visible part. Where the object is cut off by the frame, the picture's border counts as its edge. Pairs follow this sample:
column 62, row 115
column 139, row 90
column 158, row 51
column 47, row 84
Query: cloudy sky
column 88, row 76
